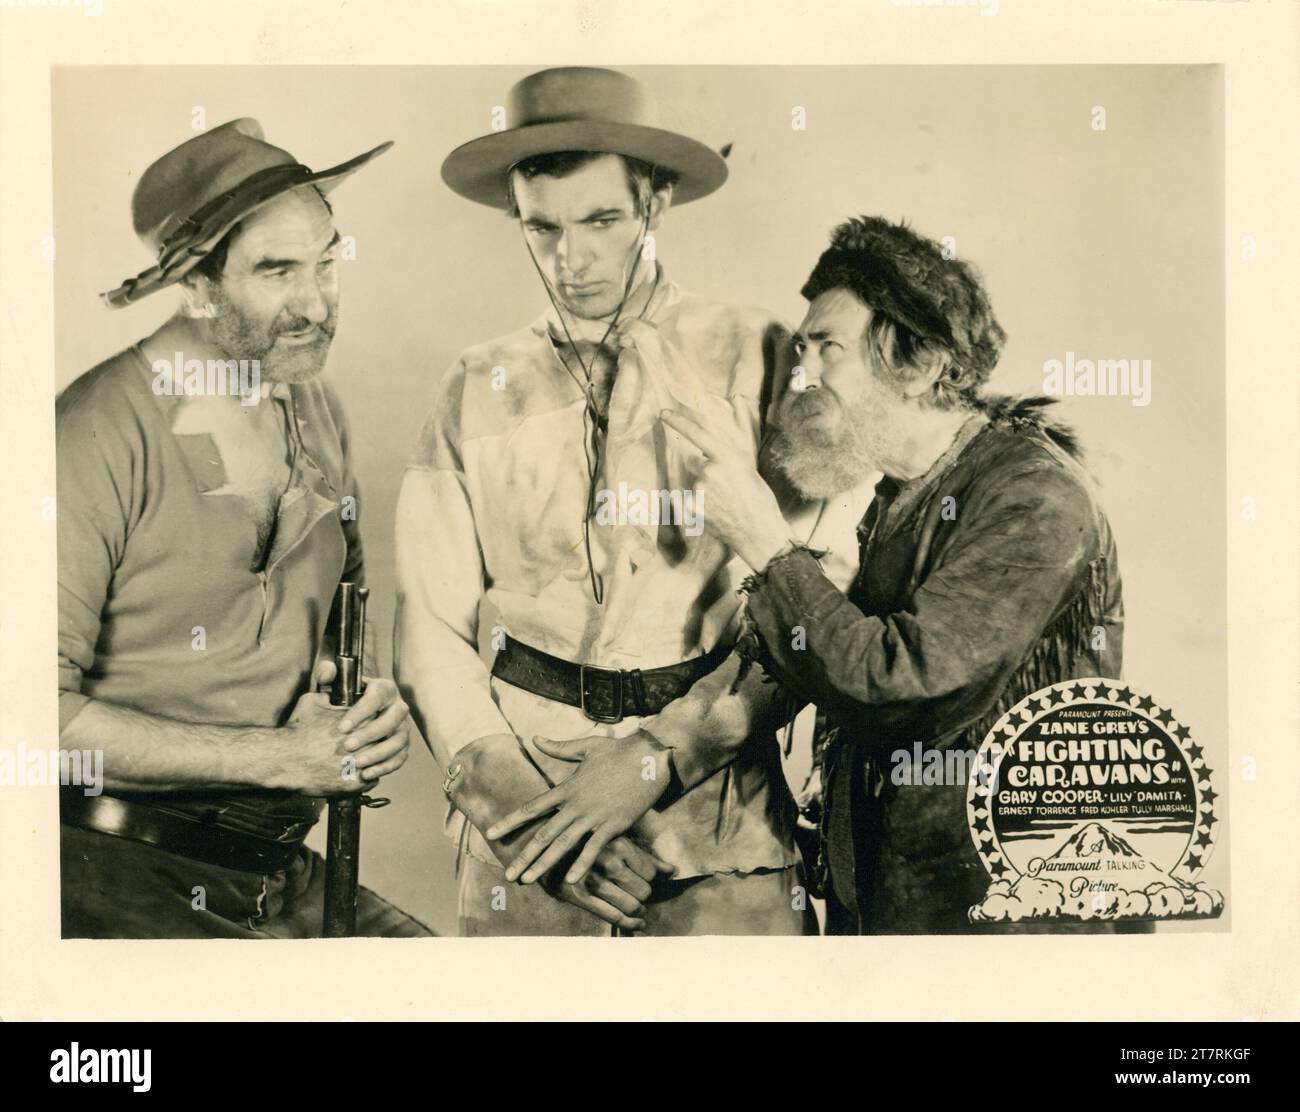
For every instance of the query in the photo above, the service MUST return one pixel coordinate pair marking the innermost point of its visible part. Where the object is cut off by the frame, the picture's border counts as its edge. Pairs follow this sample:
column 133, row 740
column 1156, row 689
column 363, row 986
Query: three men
column 207, row 513
column 544, row 484
column 616, row 752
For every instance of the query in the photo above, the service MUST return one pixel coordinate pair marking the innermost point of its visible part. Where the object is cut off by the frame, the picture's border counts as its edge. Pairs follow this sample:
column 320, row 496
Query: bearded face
column 277, row 298
column 819, row 446
column 840, row 418
column 289, row 348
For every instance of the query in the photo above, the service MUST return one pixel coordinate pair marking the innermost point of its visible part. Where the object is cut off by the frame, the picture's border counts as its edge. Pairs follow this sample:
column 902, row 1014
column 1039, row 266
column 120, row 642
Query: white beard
column 820, row 464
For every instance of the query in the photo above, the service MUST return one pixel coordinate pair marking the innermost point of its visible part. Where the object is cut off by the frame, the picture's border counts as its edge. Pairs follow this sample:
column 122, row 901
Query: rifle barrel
column 343, row 833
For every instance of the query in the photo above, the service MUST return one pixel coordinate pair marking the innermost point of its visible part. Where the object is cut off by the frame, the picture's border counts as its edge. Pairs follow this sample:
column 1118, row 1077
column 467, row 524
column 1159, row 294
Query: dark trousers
column 116, row 888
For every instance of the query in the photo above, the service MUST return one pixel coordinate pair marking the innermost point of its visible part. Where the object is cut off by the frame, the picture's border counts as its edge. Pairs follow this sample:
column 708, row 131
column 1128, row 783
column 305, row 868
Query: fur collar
column 1028, row 412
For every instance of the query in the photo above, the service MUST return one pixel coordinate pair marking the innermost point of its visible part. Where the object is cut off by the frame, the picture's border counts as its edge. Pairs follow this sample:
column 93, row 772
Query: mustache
column 805, row 403
column 301, row 324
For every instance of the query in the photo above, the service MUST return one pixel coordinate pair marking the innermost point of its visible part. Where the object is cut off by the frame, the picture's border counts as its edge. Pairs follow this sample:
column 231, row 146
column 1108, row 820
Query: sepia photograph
column 679, row 472
column 555, row 511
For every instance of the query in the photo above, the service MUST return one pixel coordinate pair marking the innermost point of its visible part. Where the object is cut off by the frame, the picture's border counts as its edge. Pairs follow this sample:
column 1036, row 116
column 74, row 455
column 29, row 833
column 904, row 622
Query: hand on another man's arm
column 620, row 779
column 491, row 775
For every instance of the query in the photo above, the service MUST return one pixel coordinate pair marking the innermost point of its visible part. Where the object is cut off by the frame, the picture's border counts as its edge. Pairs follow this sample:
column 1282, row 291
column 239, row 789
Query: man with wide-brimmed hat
column 543, row 484
column 207, row 513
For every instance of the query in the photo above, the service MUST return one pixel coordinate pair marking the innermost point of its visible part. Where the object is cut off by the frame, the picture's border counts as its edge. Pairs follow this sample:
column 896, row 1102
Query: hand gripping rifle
column 343, row 838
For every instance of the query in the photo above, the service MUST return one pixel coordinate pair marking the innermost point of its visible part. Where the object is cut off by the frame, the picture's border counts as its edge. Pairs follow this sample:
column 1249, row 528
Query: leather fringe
column 1052, row 658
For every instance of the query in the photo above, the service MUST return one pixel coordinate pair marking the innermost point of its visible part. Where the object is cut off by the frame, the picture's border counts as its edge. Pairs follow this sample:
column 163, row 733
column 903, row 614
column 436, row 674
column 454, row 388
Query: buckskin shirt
column 501, row 461
column 991, row 576
column 163, row 609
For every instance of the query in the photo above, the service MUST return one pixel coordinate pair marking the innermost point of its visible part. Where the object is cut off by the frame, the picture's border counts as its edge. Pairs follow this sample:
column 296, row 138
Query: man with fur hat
column 987, row 567
column 207, row 513
column 544, row 485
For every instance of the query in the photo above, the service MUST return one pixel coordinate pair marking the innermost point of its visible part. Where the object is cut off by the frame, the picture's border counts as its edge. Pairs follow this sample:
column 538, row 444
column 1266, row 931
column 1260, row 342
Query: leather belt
column 605, row 695
column 178, row 832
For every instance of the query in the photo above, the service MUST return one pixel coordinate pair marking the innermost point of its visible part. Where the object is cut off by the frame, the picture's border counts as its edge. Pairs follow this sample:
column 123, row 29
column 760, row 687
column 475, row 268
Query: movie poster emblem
column 1090, row 801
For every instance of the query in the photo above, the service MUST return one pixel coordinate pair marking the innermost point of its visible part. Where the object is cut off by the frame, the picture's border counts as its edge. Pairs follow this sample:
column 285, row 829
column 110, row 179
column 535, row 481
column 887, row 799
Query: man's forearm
column 144, row 752
column 489, row 778
column 708, row 727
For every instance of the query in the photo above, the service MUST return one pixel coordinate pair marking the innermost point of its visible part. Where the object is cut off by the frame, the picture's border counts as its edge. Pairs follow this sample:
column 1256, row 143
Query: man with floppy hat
column 543, row 484
column 207, row 513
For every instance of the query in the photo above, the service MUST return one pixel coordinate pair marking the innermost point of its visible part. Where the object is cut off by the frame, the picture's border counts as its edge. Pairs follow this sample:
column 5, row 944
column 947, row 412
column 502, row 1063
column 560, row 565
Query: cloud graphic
column 1105, row 897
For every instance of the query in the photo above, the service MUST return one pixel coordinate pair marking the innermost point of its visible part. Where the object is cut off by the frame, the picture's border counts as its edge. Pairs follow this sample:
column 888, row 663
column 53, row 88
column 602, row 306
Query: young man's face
column 584, row 231
column 277, row 299
column 839, row 415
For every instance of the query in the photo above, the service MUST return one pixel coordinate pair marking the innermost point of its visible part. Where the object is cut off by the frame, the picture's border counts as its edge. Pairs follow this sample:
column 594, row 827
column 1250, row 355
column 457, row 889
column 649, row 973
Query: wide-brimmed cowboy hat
column 577, row 108
column 194, row 195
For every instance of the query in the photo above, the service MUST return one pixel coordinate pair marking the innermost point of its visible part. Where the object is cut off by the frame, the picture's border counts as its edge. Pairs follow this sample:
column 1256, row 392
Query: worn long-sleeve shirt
column 492, row 510
column 989, row 577
column 167, row 605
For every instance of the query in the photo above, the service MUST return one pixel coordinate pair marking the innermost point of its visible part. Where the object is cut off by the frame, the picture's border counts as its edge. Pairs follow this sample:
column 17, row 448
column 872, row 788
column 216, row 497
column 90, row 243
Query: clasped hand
column 618, row 781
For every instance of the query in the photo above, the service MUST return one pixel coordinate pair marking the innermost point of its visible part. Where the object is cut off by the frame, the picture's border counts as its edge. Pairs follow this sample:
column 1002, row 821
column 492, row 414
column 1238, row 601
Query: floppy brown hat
column 193, row 195
column 580, row 108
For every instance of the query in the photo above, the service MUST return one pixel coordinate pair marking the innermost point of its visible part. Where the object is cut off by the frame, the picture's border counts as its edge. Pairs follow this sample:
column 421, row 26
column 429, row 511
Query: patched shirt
column 170, row 603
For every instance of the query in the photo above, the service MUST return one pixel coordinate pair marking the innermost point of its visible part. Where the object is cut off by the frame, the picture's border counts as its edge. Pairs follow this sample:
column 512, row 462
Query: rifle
column 343, row 837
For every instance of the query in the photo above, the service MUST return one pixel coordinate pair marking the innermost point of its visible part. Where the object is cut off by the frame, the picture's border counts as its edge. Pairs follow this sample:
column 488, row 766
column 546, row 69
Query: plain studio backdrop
column 1102, row 242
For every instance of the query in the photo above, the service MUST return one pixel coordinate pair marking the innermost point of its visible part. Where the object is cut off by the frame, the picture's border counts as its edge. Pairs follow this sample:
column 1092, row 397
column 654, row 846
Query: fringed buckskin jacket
column 987, row 578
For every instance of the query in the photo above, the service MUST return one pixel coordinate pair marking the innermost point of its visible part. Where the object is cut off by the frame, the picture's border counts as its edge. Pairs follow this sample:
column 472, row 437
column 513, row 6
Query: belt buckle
column 584, row 671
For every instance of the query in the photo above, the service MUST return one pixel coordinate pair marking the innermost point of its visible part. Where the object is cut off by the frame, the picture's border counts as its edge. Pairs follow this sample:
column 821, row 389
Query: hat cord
column 591, row 412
